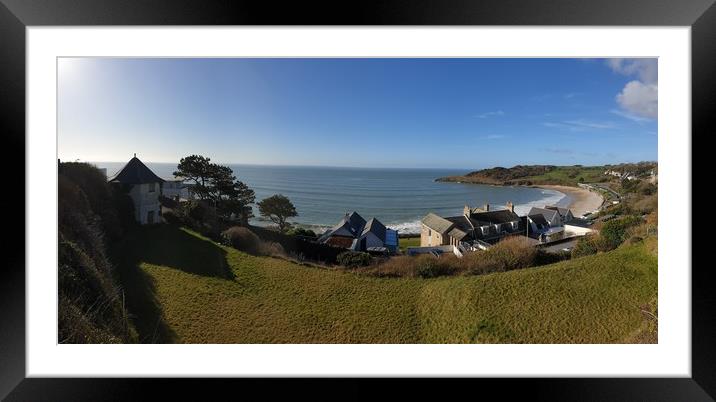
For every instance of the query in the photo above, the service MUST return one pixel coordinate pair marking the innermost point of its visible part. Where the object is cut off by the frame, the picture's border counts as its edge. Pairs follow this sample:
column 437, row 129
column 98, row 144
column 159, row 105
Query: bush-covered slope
column 90, row 303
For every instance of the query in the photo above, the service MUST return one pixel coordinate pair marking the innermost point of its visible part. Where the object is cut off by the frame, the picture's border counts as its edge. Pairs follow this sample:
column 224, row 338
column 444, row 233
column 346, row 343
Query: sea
column 398, row 197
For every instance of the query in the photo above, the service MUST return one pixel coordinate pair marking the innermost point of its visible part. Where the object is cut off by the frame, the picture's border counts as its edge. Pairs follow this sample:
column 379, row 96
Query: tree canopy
column 277, row 208
column 217, row 185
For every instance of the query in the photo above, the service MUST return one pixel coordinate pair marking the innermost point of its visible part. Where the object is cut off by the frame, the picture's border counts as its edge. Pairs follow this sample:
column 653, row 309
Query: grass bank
column 186, row 288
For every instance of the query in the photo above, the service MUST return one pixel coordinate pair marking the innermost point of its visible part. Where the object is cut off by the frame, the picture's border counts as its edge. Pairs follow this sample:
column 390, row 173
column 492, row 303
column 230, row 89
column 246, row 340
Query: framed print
column 471, row 191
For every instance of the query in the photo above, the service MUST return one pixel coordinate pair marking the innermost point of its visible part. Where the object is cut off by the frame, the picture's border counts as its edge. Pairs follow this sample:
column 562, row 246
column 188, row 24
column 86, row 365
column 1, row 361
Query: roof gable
column 376, row 227
column 437, row 223
column 548, row 214
column 135, row 172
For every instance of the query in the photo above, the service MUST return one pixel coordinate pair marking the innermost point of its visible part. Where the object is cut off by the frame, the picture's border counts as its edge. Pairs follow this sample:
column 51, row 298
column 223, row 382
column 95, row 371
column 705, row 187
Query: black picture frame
column 16, row 15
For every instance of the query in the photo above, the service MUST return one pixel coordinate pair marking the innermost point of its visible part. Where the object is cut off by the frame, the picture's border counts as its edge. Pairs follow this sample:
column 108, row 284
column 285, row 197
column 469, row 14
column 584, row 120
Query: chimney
column 511, row 206
column 466, row 210
column 486, row 208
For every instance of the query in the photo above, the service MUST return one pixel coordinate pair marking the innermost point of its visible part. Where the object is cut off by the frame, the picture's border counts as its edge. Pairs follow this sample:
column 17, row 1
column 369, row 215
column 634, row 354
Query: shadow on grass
column 168, row 246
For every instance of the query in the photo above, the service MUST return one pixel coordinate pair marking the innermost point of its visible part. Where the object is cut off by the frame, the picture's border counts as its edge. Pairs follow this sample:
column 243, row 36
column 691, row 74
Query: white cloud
column 639, row 99
column 645, row 69
column 490, row 114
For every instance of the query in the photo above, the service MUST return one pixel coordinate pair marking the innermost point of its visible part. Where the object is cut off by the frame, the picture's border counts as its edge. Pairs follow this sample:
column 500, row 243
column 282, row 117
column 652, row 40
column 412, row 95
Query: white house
column 176, row 189
column 143, row 187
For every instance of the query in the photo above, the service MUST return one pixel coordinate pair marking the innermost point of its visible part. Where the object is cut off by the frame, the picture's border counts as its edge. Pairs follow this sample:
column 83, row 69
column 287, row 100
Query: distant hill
column 551, row 174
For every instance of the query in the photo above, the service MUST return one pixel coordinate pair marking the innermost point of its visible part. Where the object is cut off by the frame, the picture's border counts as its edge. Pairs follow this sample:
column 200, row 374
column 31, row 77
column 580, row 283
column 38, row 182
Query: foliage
column 586, row 245
column 614, row 232
column 243, row 239
column 296, row 231
column 354, row 259
column 277, row 208
column 90, row 303
column 594, row 299
column 429, row 266
column 511, row 253
column 217, row 186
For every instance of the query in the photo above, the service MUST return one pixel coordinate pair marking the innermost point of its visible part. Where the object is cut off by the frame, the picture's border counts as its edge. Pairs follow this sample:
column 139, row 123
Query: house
column 176, row 189
column 555, row 216
column 355, row 233
column 553, row 223
column 143, row 187
column 475, row 225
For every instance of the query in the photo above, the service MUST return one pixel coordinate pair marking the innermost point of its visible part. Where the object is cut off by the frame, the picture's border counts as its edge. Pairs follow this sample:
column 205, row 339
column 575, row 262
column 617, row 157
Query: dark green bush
column 354, row 259
column 586, row 245
column 614, row 232
column 243, row 239
column 301, row 232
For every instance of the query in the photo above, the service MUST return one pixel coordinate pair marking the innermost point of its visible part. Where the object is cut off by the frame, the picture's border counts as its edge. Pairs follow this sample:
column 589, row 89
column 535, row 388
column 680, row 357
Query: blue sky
column 456, row 113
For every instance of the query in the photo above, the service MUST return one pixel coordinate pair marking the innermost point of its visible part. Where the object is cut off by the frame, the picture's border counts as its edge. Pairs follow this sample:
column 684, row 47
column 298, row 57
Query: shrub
column 354, row 259
column 90, row 309
column 543, row 257
column 646, row 188
column 511, row 253
column 395, row 267
column 586, row 245
column 614, row 232
column 429, row 266
column 271, row 249
column 243, row 239
column 301, row 232
column 171, row 217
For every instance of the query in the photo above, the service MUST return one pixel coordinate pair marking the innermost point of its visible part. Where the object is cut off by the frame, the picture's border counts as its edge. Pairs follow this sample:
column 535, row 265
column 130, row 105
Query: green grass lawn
column 182, row 287
column 406, row 242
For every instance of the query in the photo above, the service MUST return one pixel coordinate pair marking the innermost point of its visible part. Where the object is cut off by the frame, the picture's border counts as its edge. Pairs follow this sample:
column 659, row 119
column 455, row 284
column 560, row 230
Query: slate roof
column 562, row 211
column 456, row 233
column 437, row 223
column 539, row 219
column 356, row 221
column 548, row 214
column 135, row 172
column 352, row 222
column 497, row 216
column 376, row 227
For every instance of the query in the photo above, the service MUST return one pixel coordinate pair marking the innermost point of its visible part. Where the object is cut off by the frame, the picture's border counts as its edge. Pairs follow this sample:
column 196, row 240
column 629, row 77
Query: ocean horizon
column 398, row 197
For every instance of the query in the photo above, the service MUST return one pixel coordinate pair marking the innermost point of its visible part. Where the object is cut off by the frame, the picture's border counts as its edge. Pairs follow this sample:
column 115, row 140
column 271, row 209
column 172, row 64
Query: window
column 152, row 187
column 150, row 217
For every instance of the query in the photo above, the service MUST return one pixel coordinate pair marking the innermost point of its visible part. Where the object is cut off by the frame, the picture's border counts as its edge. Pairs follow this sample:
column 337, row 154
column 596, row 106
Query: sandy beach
column 583, row 200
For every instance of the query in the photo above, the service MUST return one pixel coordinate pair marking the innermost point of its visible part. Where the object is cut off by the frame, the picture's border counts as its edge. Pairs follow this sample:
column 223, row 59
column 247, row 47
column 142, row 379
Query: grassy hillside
column 545, row 174
column 184, row 288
